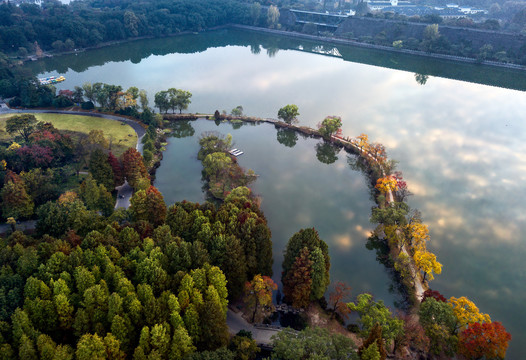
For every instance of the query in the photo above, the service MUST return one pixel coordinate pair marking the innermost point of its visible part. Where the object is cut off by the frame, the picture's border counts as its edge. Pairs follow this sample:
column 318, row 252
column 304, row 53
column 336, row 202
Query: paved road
column 236, row 323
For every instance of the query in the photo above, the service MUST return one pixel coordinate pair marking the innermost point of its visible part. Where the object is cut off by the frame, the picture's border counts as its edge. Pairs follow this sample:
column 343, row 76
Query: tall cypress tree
column 101, row 170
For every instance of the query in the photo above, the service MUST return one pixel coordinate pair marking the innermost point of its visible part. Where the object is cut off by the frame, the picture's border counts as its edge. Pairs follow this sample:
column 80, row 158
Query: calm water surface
column 460, row 139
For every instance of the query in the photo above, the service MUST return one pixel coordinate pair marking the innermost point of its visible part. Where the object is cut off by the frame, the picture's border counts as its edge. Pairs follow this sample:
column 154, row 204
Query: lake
column 458, row 134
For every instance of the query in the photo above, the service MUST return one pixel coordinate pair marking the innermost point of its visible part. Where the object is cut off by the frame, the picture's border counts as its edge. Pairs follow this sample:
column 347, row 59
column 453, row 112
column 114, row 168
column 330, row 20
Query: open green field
column 122, row 135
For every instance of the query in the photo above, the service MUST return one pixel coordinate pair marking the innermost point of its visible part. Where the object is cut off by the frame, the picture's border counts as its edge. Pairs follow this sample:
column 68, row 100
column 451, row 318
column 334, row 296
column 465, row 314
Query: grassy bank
column 122, row 136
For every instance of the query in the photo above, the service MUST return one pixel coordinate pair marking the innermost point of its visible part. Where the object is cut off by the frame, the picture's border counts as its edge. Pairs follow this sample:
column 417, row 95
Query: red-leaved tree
column 484, row 340
column 337, row 299
column 118, row 175
column 433, row 294
column 134, row 169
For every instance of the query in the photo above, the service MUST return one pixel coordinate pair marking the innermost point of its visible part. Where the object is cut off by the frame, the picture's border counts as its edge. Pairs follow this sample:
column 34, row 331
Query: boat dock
column 235, row 152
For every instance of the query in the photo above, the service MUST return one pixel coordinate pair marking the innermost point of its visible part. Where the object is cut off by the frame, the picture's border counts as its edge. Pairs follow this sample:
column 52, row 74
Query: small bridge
column 330, row 21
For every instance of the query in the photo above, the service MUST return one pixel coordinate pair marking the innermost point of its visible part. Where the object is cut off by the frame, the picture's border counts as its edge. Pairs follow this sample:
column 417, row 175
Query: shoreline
column 291, row 34
column 418, row 285
column 342, row 41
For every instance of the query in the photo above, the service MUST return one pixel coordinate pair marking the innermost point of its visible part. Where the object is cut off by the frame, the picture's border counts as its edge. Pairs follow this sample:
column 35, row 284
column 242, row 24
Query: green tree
column 214, row 330
column 237, row 111
column 431, row 32
column 91, row 347
column 288, row 113
column 320, row 282
column 330, row 126
column 183, row 99
column 101, row 170
column 131, row 23
column 372, row 312
column 162, row 101
column 181, row 344
column 312, row 343
column 439, row 322
column 255, row 12
column 23, row 125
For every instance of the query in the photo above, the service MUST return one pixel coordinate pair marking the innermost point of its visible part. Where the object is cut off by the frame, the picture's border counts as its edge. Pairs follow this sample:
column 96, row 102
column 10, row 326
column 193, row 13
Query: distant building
column 403, row 7
column 379, row 5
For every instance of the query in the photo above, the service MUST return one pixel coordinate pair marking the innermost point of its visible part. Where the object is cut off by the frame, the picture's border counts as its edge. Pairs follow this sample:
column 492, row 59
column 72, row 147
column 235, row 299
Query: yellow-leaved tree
column 419, row 234
column 427, row 262
column 467, row 312
column 363, row 142
column 386, row 184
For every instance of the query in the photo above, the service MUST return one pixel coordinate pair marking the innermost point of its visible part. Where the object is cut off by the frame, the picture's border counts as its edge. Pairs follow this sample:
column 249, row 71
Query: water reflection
column 137, row 51
column 461, row 146
column 421, row 78
column 182, row 129
column 286, row 137
column 272, row 51
column 326, row 152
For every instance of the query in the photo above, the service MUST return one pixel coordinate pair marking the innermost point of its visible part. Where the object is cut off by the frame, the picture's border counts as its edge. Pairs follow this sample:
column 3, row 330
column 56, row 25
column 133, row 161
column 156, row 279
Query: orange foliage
column 386, row 184
column 487, row 340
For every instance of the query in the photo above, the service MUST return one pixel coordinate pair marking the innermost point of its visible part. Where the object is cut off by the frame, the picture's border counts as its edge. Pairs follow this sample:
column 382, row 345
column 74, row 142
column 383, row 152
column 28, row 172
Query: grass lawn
column 122, row 134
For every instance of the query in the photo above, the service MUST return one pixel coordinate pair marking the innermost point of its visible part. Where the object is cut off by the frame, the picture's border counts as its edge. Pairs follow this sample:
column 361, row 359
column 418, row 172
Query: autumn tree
column 337, row 300
column 297, row 282
column 375, row 340
column 429, row 293
column 363, row 143
column 386, row 184
column 467, row 312
column 16, row 202
column 133, row 167
column 330, row 126
column 116, row 166
column 288, row 113
column 23, row 125
column 258, row 297
column 148, row 205
column 427, row 263
column 312, row 272
column 484, row 341
column 418, row 235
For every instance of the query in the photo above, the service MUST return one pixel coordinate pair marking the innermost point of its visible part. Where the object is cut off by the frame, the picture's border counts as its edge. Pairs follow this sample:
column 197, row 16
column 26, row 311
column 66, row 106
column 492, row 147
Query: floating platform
column 235, row 152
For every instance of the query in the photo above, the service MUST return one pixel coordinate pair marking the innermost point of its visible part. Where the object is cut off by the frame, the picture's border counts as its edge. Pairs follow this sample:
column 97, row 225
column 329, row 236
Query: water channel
column 457, row 131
